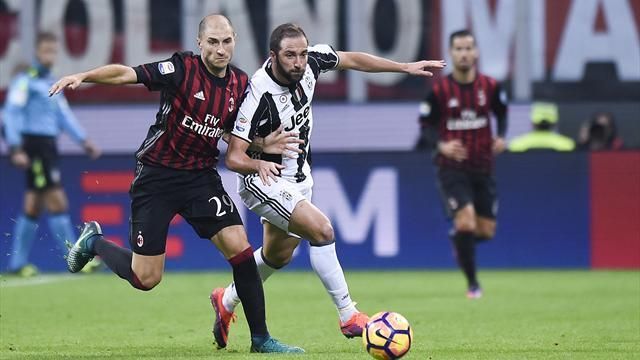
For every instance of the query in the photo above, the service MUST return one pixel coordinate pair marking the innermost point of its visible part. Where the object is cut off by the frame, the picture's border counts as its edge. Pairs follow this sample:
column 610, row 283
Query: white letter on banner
column 377, row 208
column 407, row 40
column 580, row 44
column 320, row 24
column 494, row 34
column 99, row 31
column 138, row 33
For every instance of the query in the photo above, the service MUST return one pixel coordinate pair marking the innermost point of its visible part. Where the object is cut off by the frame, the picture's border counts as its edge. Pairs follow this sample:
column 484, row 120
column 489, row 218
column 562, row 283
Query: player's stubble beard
column 465, row 66
column 289, row 76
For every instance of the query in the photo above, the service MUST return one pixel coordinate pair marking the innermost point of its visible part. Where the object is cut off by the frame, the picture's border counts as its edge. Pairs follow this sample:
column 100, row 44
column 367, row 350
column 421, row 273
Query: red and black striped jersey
column 196, row 108
column 463, row 111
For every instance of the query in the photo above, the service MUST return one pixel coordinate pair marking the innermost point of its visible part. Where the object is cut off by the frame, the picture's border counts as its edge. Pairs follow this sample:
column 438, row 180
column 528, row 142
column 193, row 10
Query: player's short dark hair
column 203, row 23
column 45, row 37
column 459, row 34
column 287, row 30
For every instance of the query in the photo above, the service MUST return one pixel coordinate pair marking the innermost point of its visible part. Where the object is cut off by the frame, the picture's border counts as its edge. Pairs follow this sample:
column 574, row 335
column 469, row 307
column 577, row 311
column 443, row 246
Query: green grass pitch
column 523, row 315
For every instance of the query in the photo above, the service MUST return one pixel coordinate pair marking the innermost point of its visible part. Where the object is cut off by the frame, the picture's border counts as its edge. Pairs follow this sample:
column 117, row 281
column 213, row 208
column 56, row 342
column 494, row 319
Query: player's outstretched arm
column 360, row 61
column 112, row 74
column 238, row 161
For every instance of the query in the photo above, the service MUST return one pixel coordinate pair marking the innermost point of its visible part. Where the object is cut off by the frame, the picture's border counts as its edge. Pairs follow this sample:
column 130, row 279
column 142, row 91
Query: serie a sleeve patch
column 166, row 67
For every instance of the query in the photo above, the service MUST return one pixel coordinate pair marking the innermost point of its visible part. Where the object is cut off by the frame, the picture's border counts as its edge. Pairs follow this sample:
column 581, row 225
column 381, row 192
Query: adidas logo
column 199, row 95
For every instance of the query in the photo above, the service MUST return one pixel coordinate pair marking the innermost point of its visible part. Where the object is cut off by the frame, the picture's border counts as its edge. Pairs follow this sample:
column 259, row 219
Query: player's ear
column 272, row 55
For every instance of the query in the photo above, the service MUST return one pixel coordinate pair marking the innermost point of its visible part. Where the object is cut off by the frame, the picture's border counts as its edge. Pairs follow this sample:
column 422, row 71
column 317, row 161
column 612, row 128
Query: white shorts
column 275, row 202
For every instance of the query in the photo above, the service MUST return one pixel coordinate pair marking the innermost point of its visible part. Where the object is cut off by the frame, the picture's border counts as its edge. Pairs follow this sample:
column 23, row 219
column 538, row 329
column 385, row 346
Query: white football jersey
column 268, row 104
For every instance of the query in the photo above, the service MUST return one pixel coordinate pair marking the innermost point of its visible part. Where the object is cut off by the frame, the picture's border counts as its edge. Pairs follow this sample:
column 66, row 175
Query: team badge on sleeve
column 166, row 67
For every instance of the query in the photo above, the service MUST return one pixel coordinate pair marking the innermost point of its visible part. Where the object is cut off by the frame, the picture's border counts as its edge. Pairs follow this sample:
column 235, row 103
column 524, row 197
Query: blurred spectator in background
column 20, row 68
column 599, row 133
column 32, row 122
column 544, row 117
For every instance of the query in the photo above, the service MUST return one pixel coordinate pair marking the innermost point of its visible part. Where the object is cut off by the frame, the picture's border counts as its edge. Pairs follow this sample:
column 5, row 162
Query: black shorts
column 44, row 172
column 459, row 188
column 158, row 194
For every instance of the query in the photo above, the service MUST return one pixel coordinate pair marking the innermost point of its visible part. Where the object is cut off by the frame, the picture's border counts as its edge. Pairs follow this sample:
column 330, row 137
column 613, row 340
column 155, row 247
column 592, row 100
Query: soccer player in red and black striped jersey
column 176, row 171
column 456, row 120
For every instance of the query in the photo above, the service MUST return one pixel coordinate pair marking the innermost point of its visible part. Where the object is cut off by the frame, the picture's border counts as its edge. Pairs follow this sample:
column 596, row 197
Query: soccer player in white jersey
column 277, row 187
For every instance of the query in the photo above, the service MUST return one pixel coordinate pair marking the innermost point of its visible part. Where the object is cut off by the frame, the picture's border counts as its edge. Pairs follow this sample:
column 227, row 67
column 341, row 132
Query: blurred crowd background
column 583, row 56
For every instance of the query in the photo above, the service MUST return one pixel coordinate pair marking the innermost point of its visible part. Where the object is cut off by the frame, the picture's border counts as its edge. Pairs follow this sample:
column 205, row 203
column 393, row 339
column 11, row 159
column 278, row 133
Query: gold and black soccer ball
column 387, row 336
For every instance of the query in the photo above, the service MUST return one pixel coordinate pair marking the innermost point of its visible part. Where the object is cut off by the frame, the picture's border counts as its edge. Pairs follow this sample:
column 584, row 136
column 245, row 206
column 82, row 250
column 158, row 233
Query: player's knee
column 33, row 214
column 465, row 220
column 32, row 210
column 279, row 259
column 149, row 281
column 55, row 207
column 465, row 225
column 486, row 233
column 323, row 235
column 485, row 230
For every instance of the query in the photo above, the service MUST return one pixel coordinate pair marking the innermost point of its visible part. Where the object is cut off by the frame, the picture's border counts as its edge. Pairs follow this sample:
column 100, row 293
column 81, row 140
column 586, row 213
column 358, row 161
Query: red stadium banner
column 562, row 66
column 615, row 210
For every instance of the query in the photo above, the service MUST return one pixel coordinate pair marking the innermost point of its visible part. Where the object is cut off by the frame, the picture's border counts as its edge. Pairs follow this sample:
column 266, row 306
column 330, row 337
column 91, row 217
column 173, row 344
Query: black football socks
column 251, row 293
column 465, row 246
column 118, row 259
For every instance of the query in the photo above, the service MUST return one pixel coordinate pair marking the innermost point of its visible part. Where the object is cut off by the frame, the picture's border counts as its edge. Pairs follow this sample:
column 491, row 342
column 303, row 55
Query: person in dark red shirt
column 456, row 123
column 176, row 173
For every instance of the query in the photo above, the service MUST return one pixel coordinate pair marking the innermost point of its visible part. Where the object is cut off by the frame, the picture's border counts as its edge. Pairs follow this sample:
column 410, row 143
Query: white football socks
column 230, row 298
column 324, row 261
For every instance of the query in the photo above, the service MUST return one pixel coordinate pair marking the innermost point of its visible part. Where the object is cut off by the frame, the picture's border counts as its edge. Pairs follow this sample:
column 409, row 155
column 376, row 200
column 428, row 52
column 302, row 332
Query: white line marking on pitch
column 37, row 280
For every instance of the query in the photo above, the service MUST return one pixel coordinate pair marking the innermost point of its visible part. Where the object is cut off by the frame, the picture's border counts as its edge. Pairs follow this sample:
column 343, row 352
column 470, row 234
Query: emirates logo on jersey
column 209, row 128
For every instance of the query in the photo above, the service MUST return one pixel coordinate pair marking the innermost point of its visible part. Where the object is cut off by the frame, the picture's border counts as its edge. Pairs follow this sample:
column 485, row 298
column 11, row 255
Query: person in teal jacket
column 32, row 122
column 544, row 117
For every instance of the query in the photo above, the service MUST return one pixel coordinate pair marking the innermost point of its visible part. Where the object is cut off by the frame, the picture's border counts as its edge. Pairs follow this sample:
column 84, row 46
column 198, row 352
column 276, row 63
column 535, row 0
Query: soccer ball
column 387, row 336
